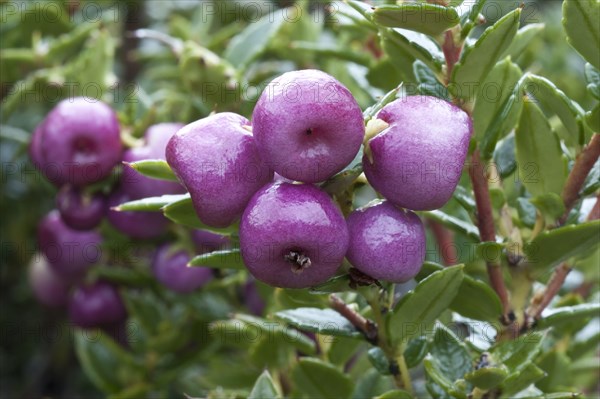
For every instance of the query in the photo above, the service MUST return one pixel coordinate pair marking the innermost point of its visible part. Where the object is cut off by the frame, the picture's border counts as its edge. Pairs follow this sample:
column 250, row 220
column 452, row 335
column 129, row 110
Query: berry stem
column 485, row 223
column 583, row 164
column 367, row 327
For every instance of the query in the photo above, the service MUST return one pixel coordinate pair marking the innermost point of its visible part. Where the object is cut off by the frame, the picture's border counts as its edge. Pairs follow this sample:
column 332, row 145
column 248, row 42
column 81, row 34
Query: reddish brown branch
column 445, row 241
column 485, row 222
column 583, row 164
column 367, row 327
column 539, row 303
column 451, row 52
column 595, row 212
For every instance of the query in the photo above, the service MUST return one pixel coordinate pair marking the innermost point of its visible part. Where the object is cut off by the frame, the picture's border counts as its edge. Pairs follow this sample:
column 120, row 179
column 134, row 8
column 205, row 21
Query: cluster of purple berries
column 77, row 146
column 305, row 128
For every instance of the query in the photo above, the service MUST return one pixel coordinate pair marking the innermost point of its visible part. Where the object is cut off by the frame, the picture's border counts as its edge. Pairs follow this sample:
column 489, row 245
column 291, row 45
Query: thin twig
column 595, row 212
column 540, row 302
column 365, row 326
column 485, row 223
column 445, row 241
column 583, row 164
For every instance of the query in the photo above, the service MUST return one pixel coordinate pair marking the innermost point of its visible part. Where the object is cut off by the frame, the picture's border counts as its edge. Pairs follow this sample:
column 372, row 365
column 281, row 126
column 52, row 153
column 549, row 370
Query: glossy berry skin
column 217, row 160
column 386, row 242
column 292, row 236
column 170, row 269
column 417, row 161
column 49, row 288
column 96, row 305
column 141, row 225
column 307, row 125
column 78, row 142
column 69, row 252
column 156, row 139
column 80, row 211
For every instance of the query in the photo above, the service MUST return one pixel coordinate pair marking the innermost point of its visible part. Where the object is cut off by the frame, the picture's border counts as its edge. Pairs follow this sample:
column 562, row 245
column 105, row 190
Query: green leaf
column 518, row 381
column 522, row 39
column 549, row 248
column 395, row 394
column 322, row 321
column 424, row 304
column 370, row 385
column 487, row 377
column 154, row 168
column 182, row 212
column 430, row 19
column 464, row 198
column 556, row 365
column 449, row 355
column 592, row 77
column 68, row 43
column 379, row 360
column 554, row 101
column 487, row 307
column 344, row 179
column 98, row 361
column 382, row 102
column 580, row 21
column 592, row 182
column 318, row 379
column 496, row 112
column 538, row 153
column 429, row 84
column 454, row 224
column 550, row 205
column 478, row 60
column 504, row 156
column 527, row 211
column 592, row 118
column 264, row 388
column 415, row 351
column 518, row 353
column 567, row 314
column 403, row 46
column 222, row 259
column 435, row 375
column 334, row 284
column 151, row 204
column 254, row 39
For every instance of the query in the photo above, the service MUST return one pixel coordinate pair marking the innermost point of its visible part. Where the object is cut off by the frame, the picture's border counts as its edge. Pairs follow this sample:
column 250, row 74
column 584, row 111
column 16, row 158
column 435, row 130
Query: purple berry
column 307, row 125
column 140, row 225
column 96, row 305
column 69, row 252
column 386, row 242
column 49, row 288
column 417, row 161
column 292, row 236
column 137, row 185
column 78, row 143
column 217, row 160
column 80, row 211
column 170, row 269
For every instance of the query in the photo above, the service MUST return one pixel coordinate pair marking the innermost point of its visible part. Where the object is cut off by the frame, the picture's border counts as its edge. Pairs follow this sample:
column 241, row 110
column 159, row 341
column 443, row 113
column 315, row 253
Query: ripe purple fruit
column 307, row 125
column 140, row 225
column 69, row 252
column 156, row 139
column 78, row 210
column 78, row 142
column 96, row 305
column 386, row 243
column 170, row 269
column 292, row 236
column 217, row 160
column 417, row 160
column 49, row 288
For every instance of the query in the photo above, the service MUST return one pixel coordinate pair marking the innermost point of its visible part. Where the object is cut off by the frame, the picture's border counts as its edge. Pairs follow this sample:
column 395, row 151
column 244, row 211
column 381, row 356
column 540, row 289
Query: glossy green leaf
column 556, row 366
column 522, row 39
column 98, row 361
column 404, row 46
column 478, row 60
column 151, row 204
column 538, row 153
column 505, row 157
column 252, row 41
column 429, row 85
column 496, row 113
column 382, row 102
column 69, row 43
column 264, row 388
column 182, row 212
column 454, row 224
column 592, row 118
column 592, row 77
column 318, row 379
column 322, row 321
column 430, row 19
column 420, row 307
column 567, row 314
column 415, row 351
column 334, row 284
column 395, row 394
column 222, row 259
column 580, row 21
column 370, row 385
column 155, row 168
column 550, row 205
column 435, row 375
column 379, row 360
column 449, row 355
column 557, row 245
column 518, row 353
column 487, row 377
column 527, row 211
column 554, row 101
column 520, row 380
